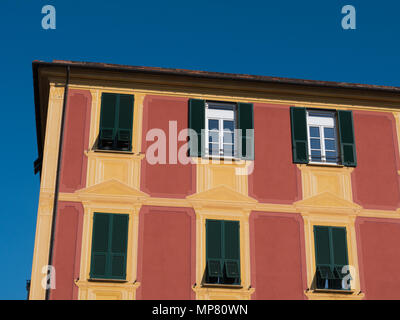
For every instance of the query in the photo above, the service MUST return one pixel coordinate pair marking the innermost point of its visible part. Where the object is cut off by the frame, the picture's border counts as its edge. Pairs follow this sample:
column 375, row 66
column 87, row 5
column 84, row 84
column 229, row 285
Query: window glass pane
column 315, row 144
column 330, row 144
column 213, row 136
column 329, row 133
column 330, row 156
column 228, row 150
column 228, row 137
column 213, row 124
column 213, row 149
column 229, row 125
column 315, row 155
column 314, row 132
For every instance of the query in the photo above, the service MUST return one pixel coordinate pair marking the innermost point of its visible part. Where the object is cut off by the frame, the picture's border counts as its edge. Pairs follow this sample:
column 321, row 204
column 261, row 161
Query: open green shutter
column 232, row 249
column 214, row 248
column 108, row 120
column 299, row 134
column 100, row 245
column 125, row 121
column 246, row 124
column 196, row 123
column 119, row 242
column 347, row 141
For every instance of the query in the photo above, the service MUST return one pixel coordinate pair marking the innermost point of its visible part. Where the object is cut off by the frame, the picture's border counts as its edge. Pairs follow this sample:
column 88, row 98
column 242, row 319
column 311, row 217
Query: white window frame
column 321, row 123
column 226, row 111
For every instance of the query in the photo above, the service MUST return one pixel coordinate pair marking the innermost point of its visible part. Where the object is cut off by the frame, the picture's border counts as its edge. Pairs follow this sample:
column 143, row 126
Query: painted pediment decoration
column 221, row 196
column 327, row 202
column 111, row 189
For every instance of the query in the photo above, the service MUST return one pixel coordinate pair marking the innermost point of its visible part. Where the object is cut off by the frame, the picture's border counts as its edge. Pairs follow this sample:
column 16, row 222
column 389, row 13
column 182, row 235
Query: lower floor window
column 222, row 252
column 109, row 246
column 332, row 270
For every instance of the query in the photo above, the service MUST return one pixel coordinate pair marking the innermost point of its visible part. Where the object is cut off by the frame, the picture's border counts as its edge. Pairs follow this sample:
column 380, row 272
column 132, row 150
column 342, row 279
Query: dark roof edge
column 36, row 96
column 217, row 75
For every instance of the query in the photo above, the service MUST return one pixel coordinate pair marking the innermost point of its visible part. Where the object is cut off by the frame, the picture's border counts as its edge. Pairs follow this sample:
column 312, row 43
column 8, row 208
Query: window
column 331, row 257
column 222, row 252
column 322, row 137
column 220, row 129
column 213, row 126
column 116, row 118
column 109, row 246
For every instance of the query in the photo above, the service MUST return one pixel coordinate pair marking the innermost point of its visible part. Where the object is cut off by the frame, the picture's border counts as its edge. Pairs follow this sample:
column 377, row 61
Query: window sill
column 222, row 286
column 338, row 291
column 210, row 159
column 113, row 151
column 331, row 294
column 323, row 164
column 107, row 280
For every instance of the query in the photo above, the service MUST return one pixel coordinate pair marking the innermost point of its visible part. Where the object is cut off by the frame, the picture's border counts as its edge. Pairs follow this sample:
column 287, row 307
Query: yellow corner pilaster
column 46, row 195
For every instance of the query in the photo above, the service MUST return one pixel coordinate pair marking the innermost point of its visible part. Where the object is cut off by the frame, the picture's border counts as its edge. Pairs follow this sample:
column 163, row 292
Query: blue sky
column 297, row 39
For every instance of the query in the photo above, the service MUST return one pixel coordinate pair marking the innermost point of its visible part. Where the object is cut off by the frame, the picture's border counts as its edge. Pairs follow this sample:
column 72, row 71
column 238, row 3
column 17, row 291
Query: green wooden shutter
column 339, row 244
column 232, row 249
column 196, row 123
column 299, row 134
column 347, row 141
column 108, row 121
column 323, row 252
column 100, row 245
column 125, row 121
column 109, row 246
column 214, row 248
column 119, row 241
column 246, row 122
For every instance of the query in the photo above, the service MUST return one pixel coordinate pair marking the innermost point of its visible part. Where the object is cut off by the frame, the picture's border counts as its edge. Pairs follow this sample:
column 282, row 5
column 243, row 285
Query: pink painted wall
column 375, row 179
column 277, row 251
column 275, row 178
column 76, row 141
column 166, row 253
column 166, row 180
column 379, row 257
column 67, row 250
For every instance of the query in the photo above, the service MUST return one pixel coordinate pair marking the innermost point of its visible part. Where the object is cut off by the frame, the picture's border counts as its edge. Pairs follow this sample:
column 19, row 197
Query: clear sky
column 297, row 39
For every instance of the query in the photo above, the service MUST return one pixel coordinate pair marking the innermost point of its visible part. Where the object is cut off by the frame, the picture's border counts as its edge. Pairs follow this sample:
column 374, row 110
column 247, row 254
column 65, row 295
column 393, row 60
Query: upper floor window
column 116, row 119
column 322, row 137
column 220, row 129
column 212, row 129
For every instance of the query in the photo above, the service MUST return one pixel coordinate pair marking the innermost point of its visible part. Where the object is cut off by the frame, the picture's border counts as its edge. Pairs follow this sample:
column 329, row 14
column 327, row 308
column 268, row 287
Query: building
column 287, row 189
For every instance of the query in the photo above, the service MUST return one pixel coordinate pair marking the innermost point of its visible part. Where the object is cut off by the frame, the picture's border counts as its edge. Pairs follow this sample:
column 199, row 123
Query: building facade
column 177, row 184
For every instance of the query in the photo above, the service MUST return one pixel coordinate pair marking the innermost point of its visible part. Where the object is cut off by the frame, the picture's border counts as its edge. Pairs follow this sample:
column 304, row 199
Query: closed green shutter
column 109, row 246
column 214, row 248
column 232, row 249
column 119, row 243
column 197, row 123
column 108, row 121
column 116, row 121
column 100, row 245
column 125, row 121
column 322, row 246
column 246, row 122
column 347, row 140
column 331, row 255
column 222, row 252
column 299, row 134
